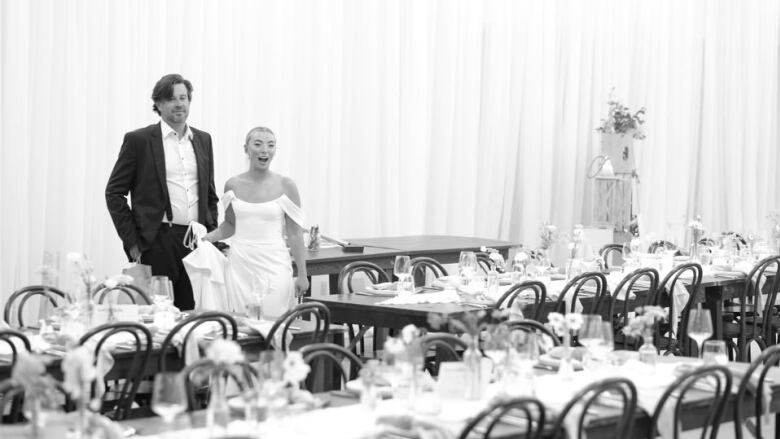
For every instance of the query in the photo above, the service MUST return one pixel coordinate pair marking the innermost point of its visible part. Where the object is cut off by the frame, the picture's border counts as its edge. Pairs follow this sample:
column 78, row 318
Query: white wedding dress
column 258, row 248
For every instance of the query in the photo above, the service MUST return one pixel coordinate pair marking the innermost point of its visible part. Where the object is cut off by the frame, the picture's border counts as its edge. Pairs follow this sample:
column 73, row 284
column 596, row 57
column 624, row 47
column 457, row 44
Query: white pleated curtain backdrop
column 394, row 117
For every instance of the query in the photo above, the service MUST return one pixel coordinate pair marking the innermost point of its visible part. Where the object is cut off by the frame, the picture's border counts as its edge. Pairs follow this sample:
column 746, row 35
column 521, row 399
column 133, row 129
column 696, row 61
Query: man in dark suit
column 168, row 170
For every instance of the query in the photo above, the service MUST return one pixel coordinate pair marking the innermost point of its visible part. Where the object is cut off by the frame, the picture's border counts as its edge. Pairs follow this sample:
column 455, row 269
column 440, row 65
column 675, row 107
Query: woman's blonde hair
column 257, row 130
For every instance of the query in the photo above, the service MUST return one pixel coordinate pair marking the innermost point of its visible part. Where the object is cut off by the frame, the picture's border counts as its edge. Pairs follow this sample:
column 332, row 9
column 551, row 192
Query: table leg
column 713, row 302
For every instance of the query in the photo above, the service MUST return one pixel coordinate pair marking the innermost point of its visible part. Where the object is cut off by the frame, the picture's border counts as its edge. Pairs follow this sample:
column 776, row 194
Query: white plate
column 356, row 386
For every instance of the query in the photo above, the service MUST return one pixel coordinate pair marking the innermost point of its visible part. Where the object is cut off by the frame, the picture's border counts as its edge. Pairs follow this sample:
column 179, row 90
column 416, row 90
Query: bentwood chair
column 198, row 378
column 484, row 262
column 15, row 340
column 49, row 295
column 673, row 340
column 320, row 355
column 537, row 288
column 137, row 342
column 185, row 332
column 660, row 245
column 349, row 276
column 12, row 400
column 619, row 317
column 279, row 336
column 423, row 265
column 533, row 327
column 596, row 284
column 608, row 252
column 135, row 294
column 446, row 346
column 751, row 391
column 749, row 325
column 621, row 392
column 527, row 414
column 717, row 382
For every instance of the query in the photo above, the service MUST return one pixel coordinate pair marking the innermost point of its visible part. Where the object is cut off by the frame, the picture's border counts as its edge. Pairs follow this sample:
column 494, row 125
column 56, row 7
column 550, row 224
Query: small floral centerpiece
column 496, row 260
column 574, row 246
column 223, row 355
column 620, row 120
column 79, row 372
column 85, row 271
column 406, row 348
column 642, row 325
column 548, row 235
column 39, row 388
column 564, row 326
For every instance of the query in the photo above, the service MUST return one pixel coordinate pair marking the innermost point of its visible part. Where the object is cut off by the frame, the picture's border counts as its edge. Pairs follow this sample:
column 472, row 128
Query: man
column 168, row 169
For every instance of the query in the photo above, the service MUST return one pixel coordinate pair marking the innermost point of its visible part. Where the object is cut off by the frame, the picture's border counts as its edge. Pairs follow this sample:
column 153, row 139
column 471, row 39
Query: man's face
column 176, row 109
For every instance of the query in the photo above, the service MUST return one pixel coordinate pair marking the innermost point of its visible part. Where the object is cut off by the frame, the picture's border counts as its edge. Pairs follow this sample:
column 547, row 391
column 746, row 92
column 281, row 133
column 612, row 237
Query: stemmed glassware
column 168, row 396
column 260, row 289
column 467, row 266
column 496, row 347
column 162, row 292
column 699, row 327
column 402, row 269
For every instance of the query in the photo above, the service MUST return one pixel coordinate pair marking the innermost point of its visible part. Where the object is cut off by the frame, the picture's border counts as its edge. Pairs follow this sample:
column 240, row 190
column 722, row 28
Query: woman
column 262, row 208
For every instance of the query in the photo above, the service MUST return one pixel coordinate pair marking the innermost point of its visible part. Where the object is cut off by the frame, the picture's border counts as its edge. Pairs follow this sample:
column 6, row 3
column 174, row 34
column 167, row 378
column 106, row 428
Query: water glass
column 162, row 293
column 402, row 269
column 467, row 266
column 714, row 352
column 590, row 332
column 168, row 396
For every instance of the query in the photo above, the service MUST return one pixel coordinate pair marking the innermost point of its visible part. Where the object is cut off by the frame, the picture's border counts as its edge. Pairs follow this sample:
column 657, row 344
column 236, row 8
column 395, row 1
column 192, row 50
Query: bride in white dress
column 262, row 208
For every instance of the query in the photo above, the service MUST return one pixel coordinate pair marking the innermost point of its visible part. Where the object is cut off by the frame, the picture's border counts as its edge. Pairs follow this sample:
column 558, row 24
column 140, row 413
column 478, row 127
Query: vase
column 472, row 360
column 32, row 411
column 695, row 252
column 620, row 150
column 648, row 353
column 566, row 366
column 217, row 412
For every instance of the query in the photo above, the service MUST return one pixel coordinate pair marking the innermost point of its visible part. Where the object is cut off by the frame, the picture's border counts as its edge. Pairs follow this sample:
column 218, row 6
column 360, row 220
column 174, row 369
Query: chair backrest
column 540, row 296
column 280, row 331
column 572, row 289
column 422, row 265
column 225, row 322
column 608, row 251
column 530, row 410
column 533, row 327
column 198, row 378
column 14, row 339
column 619, row 391
column 373, row 273
column 13, row 393
column 660, row 245
column 678, row 336
column 448, row 348
column 751, row 389
column 139, row 346
column 715, row 378
column 619, row 317
column 484, row 262
column 318, row 355
column 20, row 298
column 764, row 278
column 135, row 294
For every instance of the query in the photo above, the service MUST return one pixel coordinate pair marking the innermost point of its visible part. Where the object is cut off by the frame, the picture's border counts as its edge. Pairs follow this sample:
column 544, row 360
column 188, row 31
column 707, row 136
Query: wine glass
column 162, row 293
column 168, row 396
column 260, row 289
column 590, row 331
column 628, row 255
column 496, row 347
column 699, row 327
column 402, row 269
column 467, row 266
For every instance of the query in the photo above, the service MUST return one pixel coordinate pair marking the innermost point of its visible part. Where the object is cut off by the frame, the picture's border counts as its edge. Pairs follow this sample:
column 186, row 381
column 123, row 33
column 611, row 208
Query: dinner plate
column 577, row 352
column 356, row 386
column 548, row 360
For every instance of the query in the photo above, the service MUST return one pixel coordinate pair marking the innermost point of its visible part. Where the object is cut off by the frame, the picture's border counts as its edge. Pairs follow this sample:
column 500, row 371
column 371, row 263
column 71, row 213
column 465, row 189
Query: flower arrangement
column 548, row 235
column 30, row 372
column 224, row 352
column 117, row 280
column 564, row 325
column 643, row 323
column 577, row 234
column 83, row 268
column 405, row 348
column 620, row 120
column 495, row 258
column 295, row 369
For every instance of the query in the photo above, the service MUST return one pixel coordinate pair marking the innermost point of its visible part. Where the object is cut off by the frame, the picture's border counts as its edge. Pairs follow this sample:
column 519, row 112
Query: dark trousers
column 165, row 255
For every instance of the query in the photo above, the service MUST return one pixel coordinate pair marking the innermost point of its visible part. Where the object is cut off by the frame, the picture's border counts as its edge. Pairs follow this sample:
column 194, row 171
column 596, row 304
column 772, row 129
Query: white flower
column 117, row 279
column 295, row 369
column 394, row 346
column 224, row 351
column 78, row 369
column 408, row 333
column 573, row 321
column 557, row 322
column 483, row 249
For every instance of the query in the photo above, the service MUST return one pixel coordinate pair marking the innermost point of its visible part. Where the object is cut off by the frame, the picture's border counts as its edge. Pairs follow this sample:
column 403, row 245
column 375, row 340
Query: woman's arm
column 294, row 234
column 228, row 227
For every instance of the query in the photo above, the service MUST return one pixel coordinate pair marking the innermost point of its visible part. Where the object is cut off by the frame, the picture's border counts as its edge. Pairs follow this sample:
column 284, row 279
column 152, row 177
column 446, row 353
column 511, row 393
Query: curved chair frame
column 134, row 374
column 606, row 251
column 7, row 336
column 240, row 373
column 336, row 354
column 721, row 377
column 677, row 339
column 540, row 296
column 530, row 409
column 589, row 396
column 579, row 282
column 321, row 315
column 446, row 346
column 533, row 326
column 372, row 271
column 131, row 291
column 753, row 389
column 55, row 296
column 627, row 285
column 661, row 244
column 226, row 322
column 423, row 264
column 483, row 261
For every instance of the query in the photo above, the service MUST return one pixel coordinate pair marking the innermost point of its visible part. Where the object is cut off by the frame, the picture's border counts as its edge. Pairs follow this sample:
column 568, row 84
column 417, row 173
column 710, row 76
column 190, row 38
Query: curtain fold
column 394, row 118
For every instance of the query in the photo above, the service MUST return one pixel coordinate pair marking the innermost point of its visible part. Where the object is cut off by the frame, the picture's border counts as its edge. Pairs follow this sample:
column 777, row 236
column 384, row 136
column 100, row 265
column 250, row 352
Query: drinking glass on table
column 162, row 293
column 590, row 331
column 714, row 352
column 496, row 347
column 402, row 269
column 699, row 327
column 168, row 396
column 467, row 266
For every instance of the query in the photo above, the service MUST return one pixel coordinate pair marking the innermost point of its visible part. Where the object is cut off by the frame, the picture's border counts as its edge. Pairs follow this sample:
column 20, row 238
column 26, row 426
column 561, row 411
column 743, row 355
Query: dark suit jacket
column 140, row 171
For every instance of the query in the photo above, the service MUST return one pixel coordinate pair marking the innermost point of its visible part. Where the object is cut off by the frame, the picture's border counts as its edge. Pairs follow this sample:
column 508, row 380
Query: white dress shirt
column 181, row 175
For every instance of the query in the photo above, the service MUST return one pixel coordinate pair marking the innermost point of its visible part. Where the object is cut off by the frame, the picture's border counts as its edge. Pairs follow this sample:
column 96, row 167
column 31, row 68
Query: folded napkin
column 263, row 327
column 446, row 296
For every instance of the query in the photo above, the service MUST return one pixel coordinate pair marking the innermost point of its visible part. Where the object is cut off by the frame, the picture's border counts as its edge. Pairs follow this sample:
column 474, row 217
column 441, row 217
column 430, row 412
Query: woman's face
column 261, row 149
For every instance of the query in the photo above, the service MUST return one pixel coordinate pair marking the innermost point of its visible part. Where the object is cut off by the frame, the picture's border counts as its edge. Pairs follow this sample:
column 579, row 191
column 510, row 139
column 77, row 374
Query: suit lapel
column 158, row 152
column 200, row 159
